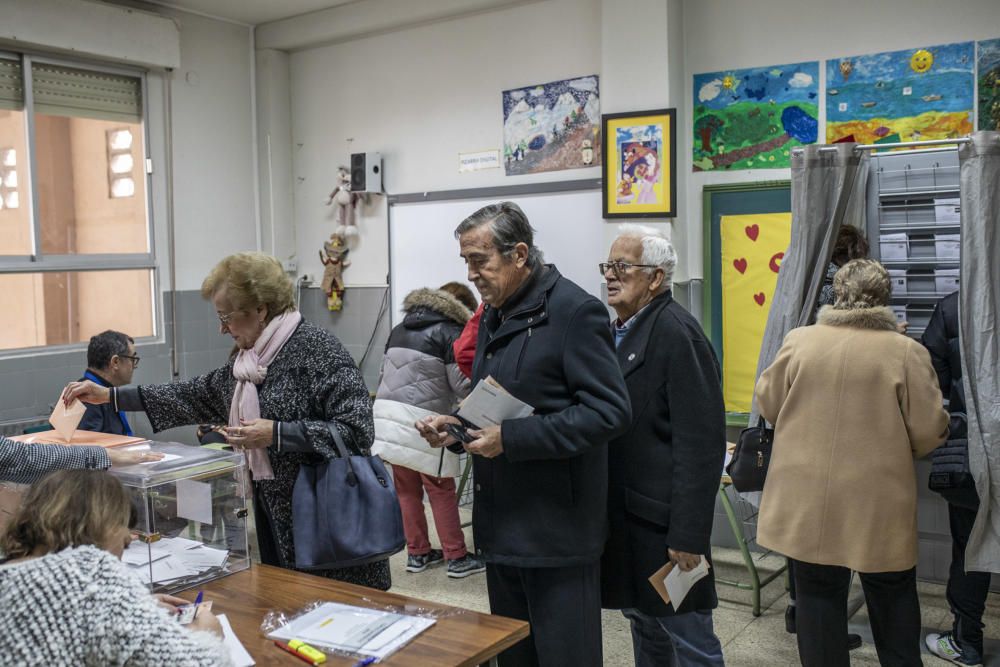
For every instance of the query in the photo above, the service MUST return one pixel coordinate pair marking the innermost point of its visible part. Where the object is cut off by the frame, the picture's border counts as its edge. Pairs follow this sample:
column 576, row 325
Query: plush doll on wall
column 345, row 202
column 334, row 258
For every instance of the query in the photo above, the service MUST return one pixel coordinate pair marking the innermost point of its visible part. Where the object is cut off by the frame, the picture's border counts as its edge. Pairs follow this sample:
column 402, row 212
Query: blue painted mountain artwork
column 552, row 126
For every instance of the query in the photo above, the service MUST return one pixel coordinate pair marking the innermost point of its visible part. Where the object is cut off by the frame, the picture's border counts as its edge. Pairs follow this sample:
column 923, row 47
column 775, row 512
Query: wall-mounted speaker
column 366, row 172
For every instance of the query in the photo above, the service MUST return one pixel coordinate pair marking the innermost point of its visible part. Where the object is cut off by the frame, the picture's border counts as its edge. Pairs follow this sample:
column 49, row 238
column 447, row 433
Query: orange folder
column 80, row 437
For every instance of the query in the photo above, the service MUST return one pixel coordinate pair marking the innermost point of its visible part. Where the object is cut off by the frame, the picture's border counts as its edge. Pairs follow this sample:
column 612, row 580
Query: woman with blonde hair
column 66, row 598
column 290, row 386
column 853, row 403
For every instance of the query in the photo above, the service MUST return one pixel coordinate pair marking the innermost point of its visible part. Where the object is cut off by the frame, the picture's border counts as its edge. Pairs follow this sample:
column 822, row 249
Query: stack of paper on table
column 237, row 652
column 171, row 558
column 354, row 630
column 489, row 404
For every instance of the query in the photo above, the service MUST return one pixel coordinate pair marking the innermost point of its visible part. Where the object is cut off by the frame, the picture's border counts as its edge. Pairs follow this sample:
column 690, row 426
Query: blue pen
column 197, row 601
column 364, row 663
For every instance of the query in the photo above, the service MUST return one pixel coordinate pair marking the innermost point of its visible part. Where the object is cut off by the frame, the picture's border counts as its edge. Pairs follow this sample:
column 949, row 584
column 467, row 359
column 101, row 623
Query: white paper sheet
column 357, row 630
column 166, row 457
column 237, row 652
column 194, row 500
column 489, row 404
column 65, row 420
column 679, row 583
column 172, row 559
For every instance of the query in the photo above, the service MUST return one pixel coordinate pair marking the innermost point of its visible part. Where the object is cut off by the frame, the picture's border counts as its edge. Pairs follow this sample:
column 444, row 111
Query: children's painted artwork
column 752, row 249
column 639, row 163
column 552, row 126
column 909, row 95
column 989, row 84
column 751, row 118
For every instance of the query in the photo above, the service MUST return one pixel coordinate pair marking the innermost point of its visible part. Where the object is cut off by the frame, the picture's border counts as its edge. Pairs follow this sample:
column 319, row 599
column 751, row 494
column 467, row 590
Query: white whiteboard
column 423, row 251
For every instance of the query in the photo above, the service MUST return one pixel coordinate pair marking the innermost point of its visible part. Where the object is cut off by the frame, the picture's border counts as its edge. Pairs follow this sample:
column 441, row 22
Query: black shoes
column 853, row 640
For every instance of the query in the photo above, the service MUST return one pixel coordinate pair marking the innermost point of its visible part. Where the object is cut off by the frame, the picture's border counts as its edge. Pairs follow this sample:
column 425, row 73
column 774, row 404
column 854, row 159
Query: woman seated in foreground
column 66, row 598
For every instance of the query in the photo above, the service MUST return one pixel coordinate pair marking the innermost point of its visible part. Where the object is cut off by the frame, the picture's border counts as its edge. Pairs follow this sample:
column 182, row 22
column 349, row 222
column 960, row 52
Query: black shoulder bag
column 345, row 512
column 748, row 467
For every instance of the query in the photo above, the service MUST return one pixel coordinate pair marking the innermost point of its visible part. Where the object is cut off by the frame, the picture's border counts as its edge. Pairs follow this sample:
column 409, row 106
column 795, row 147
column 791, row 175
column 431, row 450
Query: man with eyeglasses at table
column 111, row 361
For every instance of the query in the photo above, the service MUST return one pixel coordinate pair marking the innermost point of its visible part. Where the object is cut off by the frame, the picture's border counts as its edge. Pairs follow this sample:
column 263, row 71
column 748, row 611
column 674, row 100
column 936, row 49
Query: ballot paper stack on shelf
column 172, row 559
column 356, row 631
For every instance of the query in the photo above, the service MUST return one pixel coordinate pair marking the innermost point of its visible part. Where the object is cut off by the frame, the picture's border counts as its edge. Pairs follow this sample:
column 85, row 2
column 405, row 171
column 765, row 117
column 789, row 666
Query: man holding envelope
column 664, row 472
column 540, row 513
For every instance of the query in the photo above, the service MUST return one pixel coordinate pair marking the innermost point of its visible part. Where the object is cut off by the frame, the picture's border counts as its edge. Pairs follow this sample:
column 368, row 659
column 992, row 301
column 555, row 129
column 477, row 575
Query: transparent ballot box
column 191, row 510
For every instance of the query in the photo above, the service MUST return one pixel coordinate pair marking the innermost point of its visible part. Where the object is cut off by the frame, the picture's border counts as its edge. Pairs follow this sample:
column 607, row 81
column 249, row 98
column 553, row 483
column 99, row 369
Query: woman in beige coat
column 853, row 403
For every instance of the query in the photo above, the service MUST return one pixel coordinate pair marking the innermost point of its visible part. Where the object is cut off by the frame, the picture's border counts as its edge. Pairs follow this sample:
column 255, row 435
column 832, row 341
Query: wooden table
column 466, row 638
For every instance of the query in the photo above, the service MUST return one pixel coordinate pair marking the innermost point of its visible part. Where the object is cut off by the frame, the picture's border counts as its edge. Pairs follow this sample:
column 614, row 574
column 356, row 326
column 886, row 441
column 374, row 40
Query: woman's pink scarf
column 250, row 369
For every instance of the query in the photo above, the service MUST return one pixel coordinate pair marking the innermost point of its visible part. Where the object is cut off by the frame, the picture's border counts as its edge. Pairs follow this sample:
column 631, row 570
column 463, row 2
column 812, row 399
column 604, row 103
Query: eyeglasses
column 620, row 268
column 224, row 319
column 134, row 358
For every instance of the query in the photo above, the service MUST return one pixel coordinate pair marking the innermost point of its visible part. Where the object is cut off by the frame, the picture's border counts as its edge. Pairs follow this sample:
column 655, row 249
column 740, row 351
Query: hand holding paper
column 489, row 404
column 673, row 584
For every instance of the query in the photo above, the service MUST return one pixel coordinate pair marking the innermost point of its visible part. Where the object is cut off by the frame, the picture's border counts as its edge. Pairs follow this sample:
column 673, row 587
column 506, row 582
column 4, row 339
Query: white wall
column 421, row 96
column 214, row 196
column 720, row 34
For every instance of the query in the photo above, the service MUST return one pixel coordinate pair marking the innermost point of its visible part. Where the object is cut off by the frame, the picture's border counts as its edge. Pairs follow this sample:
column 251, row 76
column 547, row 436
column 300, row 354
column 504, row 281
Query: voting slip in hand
column 673, row 584
column 65, row 419
column 489, row 404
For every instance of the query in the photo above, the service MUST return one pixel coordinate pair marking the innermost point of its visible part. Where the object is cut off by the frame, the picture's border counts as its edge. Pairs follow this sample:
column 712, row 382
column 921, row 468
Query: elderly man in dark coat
column 664, row 471
column 540, row 513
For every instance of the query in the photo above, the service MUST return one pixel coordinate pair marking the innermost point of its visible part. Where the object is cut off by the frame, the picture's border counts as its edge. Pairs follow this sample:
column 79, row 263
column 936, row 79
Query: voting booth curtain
column 979, row 305
column 828, row 190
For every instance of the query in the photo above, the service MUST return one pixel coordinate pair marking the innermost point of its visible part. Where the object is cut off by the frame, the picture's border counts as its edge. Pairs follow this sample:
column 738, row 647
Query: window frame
column 39, row 262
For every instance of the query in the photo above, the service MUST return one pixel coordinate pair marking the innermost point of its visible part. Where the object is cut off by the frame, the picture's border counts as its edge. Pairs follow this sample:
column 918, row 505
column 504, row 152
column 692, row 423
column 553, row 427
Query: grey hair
column 509, row 226
column 656, row 249
column 861, row 283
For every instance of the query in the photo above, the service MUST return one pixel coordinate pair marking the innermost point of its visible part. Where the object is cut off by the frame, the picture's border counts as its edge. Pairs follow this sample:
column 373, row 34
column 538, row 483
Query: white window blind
column 11, row 87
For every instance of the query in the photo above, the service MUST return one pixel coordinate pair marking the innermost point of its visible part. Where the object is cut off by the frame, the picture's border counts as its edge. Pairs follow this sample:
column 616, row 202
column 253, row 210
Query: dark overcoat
column 542, row 502
column 664, row 471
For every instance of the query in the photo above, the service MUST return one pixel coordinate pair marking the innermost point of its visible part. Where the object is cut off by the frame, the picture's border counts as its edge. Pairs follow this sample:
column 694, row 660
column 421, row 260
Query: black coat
column 941, row 340
column 664, row 472
column 542, row 502
column 101, row 418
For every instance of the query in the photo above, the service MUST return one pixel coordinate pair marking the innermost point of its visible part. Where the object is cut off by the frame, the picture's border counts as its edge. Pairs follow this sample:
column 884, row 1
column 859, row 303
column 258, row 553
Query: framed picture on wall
column 640, row 164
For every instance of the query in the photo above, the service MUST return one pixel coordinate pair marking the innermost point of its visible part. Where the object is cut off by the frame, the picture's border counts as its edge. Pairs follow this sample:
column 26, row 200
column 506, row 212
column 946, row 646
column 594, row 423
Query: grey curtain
column 828, row 190
column 979, row 305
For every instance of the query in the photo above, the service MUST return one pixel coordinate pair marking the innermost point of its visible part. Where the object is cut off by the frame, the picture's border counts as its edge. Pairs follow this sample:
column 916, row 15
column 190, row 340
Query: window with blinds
column 74, row 224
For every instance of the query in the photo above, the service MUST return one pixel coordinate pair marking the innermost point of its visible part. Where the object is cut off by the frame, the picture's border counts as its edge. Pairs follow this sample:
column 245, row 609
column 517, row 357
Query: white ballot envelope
column 673, row 584
column 489, row 404
column 65, row 420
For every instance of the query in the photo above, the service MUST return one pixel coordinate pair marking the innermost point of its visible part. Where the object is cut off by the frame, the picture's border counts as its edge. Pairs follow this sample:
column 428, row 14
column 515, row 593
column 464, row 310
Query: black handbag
column 748, row 467
column 950, row 473
column 345, row 512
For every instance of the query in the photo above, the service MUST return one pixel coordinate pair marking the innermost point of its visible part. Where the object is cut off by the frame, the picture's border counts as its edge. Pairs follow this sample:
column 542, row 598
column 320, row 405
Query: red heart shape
column 759, row 298
column 752, row 231
column 740, row 264
column 776, row 261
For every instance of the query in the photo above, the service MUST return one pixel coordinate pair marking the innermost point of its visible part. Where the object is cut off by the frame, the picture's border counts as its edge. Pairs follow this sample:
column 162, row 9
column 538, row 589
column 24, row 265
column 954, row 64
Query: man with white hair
column 664, row 471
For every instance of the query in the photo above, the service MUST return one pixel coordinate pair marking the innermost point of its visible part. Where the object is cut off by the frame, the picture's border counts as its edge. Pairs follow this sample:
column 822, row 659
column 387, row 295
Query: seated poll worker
column 111, row 361
column 65, row 596
column 664, row 471
column 23, row 463
column 290, row 382
column 540, row 512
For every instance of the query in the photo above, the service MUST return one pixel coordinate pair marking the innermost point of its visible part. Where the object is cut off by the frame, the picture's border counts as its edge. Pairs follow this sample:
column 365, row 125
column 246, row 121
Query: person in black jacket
column 966, row 591
column 111, row 361
column 664, row 471
column 540, row 512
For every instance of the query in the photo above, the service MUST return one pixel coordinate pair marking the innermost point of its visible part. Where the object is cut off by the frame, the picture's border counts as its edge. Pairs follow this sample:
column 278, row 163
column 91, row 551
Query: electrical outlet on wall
column 290, row 265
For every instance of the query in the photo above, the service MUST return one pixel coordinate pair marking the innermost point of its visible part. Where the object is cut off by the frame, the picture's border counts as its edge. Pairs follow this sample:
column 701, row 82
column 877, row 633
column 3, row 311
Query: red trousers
column 410, row 486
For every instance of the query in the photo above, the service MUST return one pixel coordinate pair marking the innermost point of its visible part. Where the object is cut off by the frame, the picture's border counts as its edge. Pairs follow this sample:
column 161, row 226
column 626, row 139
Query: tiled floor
column 747, row 641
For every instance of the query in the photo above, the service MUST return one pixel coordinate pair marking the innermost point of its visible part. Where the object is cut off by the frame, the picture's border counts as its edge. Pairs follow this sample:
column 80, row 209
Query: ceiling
column 253, row 12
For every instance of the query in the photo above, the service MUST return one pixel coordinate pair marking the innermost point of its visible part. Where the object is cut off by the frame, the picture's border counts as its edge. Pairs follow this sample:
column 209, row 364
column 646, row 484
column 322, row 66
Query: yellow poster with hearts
column 752, row 249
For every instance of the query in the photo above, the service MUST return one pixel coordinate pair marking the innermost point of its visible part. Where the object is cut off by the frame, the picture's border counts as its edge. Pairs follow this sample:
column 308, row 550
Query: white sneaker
column 942, row 645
